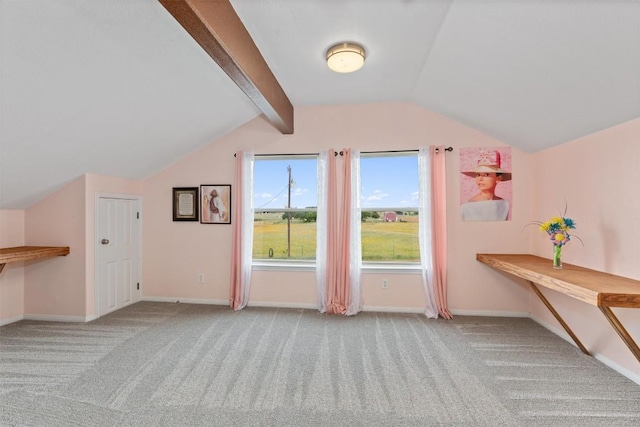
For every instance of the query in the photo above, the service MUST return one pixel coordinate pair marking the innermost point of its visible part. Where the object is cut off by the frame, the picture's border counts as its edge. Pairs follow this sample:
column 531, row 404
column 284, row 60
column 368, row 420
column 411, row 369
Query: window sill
column 387, row 268
column 391, row 268
column 264, row 265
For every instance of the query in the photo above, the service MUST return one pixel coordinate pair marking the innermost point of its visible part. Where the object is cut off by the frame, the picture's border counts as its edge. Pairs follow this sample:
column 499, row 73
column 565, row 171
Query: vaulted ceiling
column 119, row 88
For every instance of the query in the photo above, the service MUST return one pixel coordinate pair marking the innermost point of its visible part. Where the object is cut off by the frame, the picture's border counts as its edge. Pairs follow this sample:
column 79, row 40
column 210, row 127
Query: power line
column 276, row 196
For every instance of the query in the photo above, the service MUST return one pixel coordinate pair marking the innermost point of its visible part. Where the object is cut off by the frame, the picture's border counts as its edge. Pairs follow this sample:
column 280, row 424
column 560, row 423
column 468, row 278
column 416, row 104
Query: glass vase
column 557, row 256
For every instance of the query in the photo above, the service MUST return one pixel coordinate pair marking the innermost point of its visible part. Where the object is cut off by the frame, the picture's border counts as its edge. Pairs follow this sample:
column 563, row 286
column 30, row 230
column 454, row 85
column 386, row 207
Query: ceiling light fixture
column 345, row 57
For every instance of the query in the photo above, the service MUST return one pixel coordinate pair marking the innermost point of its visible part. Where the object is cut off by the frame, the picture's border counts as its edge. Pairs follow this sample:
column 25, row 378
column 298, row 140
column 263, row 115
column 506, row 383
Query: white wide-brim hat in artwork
column 489, row 162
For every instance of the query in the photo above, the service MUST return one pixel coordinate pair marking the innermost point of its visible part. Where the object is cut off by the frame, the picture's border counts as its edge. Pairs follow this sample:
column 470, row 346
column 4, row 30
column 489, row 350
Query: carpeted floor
column 162, row 364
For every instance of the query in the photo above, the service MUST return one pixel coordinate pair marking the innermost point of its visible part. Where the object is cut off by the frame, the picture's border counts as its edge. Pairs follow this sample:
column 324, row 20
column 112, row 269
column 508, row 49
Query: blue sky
column 386, row 182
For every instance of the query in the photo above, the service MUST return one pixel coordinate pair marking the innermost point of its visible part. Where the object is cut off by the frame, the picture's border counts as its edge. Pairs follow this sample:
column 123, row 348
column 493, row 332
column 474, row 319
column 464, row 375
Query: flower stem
column 557, row 256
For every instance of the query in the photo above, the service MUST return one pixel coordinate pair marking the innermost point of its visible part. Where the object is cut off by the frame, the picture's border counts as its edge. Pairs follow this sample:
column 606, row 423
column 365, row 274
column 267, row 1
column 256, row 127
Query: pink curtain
column 336, row 292
column 339, row 239
column 439, row 227
column 242, row 232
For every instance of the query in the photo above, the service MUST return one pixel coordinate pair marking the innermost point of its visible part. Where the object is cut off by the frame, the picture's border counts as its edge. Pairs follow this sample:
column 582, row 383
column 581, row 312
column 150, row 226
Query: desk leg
column 622, row 332
column 2, row 267
column 558, row 318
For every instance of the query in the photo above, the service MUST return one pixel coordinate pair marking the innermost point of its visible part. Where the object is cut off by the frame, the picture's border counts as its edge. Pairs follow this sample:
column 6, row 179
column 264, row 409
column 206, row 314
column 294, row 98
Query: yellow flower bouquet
column 558, row 230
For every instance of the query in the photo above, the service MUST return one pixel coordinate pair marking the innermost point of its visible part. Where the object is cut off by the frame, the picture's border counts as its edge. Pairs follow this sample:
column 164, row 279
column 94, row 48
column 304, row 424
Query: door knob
column 105, row 241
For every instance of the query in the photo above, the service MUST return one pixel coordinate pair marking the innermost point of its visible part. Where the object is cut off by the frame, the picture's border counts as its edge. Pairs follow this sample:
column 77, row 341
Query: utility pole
column 289, row 215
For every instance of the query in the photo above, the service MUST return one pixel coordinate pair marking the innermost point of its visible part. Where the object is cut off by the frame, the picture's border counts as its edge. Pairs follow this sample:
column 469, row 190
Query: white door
column 117, row 253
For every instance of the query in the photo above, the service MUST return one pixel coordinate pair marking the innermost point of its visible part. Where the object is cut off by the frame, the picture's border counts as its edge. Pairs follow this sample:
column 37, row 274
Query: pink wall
column 593, row 174
column 173, row 258
column 12, row 277
column 55, row 286
column 64, row 287
column 597, row 176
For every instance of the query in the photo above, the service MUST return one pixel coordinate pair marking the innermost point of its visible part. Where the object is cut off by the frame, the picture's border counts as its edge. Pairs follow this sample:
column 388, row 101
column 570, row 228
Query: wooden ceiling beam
column 220, row 32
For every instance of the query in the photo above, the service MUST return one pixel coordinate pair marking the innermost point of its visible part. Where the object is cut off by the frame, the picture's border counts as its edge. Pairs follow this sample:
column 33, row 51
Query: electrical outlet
column 200, row 278
column 385, row 284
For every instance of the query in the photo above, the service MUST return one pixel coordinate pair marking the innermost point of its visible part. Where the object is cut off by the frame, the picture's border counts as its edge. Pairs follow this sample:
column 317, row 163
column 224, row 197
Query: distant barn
column 390, row 217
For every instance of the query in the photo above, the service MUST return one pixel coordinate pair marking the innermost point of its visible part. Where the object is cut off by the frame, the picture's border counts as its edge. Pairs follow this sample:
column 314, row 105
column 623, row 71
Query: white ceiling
column 117, row 87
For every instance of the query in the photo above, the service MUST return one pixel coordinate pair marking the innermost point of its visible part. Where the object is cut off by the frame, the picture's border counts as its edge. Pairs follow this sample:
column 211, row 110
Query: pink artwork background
column 469, row 160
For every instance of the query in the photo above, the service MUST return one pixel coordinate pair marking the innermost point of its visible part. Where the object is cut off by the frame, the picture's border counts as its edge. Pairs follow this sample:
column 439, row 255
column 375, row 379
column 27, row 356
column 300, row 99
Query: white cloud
column 377, row 195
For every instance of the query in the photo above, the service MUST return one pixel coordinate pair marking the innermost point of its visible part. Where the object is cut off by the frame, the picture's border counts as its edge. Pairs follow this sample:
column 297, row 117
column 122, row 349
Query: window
column 389, row 203
column 285, row 200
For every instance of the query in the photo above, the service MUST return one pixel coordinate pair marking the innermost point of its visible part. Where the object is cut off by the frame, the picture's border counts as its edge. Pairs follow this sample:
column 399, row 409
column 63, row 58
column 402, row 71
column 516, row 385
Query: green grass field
column 381, row 241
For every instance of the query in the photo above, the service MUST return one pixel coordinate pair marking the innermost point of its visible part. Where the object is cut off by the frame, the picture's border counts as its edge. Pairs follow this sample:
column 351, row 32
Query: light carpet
column 162, row 364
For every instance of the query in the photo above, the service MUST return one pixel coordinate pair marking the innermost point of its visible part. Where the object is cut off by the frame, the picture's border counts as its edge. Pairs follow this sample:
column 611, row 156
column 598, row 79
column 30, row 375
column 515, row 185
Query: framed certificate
column 185, row 204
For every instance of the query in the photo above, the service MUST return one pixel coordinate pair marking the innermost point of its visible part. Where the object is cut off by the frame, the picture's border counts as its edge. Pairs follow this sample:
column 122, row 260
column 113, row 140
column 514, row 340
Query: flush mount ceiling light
column 345, row 57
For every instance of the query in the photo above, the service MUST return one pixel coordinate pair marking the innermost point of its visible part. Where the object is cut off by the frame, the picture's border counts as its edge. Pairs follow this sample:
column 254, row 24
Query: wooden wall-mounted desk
column 602, row 290
column 25, row 253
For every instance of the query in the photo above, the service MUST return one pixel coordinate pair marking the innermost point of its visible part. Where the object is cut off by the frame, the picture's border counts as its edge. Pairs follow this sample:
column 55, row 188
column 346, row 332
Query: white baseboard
column 604, row 359
column 313, row 306
column 11, row 320
column 55, row 318
column 381, row 309
column 489, row 313
column 187, row 300
column 277, row 304
column 269, row 304
column 616, row 367
column 558, row 331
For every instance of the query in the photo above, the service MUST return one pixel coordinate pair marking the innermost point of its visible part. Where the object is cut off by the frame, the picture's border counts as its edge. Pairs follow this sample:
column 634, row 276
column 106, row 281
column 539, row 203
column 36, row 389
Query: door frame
column 96, row 244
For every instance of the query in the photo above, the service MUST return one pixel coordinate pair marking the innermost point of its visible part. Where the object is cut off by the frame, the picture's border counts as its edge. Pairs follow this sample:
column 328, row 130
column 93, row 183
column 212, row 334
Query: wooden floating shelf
column 590, row 286
column 597, row 288
column 25, row 253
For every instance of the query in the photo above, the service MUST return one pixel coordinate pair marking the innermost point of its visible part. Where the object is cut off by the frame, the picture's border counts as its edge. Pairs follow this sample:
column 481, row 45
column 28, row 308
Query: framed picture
column 185, row 204
column 215, row 203
column 485, row 184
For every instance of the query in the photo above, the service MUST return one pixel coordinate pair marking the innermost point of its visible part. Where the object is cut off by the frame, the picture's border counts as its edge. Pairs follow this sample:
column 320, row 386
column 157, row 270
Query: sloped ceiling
column 119, row 88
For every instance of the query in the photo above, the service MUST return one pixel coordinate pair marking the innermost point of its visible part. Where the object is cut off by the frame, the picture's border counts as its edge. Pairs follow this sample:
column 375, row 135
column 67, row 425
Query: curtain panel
column 242, row 232
column 322, row 244
column 338, row 259
column 354, row 212
column 432, row 232
column 439, row 225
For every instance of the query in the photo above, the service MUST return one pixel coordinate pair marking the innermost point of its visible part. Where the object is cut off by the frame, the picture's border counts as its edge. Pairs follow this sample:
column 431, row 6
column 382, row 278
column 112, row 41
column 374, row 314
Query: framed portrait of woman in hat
column 485, row 184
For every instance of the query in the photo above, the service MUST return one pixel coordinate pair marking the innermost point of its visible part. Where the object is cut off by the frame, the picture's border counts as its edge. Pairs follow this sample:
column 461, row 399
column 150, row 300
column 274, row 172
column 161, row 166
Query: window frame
column 376, row 267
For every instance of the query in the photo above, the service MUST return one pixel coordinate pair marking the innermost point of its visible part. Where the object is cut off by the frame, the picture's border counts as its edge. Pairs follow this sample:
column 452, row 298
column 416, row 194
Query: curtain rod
column 287, row 154
column 341, row 153
column 396, row 151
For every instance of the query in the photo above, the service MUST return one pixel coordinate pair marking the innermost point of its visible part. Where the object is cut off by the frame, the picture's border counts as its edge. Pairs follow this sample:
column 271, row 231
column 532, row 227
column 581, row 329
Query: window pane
column 271, row 241
column 389, row 182
column 271, row 183
column 391, row 240
column 278, row 184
